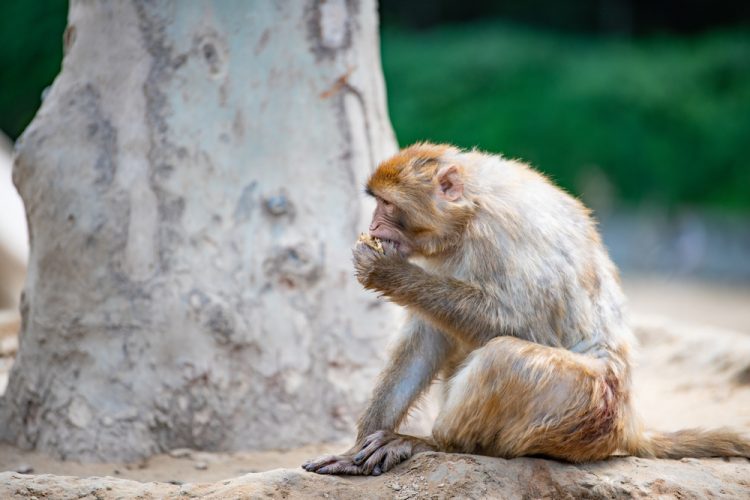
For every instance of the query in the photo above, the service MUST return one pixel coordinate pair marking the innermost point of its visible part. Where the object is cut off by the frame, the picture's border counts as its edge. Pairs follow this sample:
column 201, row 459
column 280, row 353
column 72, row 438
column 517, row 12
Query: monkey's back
column 539, row 248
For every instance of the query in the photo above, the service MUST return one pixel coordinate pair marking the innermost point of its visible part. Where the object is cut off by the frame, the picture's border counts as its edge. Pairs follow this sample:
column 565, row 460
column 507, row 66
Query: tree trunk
column 193, row 186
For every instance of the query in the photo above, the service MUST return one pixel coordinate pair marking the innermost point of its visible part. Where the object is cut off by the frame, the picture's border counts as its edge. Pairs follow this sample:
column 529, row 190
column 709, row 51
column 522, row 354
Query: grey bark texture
column 193, row 187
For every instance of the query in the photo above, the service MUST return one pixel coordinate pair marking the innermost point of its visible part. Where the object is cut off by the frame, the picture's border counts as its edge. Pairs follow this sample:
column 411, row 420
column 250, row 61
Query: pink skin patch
column 384, row 228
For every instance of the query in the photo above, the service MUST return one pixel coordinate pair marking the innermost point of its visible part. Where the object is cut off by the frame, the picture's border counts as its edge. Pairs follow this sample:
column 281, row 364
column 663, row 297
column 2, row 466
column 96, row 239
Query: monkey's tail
column 696, row 443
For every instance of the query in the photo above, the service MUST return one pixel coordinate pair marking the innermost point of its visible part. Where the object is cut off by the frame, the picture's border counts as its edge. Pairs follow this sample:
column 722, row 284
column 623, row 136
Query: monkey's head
column 422, row 206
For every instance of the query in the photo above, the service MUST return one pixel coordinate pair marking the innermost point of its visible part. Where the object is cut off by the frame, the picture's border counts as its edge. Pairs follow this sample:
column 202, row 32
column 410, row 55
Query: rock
column 24, row 469
column 432, row 475
column 181, row 453
column 200, row 465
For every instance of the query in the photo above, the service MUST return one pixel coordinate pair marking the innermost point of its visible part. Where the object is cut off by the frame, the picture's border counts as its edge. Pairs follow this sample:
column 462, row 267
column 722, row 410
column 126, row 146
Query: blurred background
column 640, row 108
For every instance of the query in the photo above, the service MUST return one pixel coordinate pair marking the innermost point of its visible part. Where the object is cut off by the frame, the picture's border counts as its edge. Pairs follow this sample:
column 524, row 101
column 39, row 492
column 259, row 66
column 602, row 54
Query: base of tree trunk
column 193, row 187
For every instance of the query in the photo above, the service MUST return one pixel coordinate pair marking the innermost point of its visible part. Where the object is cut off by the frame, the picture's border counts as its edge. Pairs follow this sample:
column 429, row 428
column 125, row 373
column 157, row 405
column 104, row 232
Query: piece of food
column 371, row 242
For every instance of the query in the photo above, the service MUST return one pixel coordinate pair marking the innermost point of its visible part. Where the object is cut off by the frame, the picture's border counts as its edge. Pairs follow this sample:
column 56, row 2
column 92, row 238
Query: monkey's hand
column 379, row 452
column 374, row 269
column 335, row 464
column 383, row 450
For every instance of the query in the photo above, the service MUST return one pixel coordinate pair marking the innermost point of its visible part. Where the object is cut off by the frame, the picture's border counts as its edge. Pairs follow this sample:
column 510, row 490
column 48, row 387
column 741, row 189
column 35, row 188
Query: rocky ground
column 688, row 375
column 431, row 475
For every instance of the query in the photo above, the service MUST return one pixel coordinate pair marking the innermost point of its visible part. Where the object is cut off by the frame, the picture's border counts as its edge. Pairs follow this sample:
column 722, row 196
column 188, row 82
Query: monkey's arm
column 466, row 311
column 416, row 360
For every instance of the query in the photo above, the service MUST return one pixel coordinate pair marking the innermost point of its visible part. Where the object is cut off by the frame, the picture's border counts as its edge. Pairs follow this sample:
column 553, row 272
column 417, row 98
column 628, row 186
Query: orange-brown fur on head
column 408, row 162
column 410, row 181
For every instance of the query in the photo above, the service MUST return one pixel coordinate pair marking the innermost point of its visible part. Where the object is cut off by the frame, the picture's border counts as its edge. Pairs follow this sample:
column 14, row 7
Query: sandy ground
column 702, row 303
column 688, row 374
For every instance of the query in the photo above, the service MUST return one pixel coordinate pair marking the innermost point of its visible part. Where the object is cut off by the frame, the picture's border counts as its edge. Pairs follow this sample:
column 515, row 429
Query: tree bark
column 193, row 186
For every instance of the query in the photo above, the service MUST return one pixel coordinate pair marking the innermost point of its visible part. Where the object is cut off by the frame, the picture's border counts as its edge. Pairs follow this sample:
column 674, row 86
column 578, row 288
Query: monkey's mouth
column 392, row 240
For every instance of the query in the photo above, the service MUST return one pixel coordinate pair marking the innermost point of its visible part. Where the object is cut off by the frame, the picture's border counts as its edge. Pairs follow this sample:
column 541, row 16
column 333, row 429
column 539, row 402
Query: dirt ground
column 688, row 374
column 702, row 303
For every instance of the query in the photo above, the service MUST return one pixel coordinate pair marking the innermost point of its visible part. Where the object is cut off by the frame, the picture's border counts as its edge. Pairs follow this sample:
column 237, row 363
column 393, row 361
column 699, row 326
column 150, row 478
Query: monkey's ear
column 450, row 184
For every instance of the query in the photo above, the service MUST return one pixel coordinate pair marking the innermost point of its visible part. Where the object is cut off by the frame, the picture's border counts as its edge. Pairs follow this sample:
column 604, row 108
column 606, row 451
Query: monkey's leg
column 515, row 398
column 414, row 363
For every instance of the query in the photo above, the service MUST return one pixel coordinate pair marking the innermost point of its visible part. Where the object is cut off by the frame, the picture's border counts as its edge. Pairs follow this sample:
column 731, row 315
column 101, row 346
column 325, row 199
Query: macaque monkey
column 513, row 300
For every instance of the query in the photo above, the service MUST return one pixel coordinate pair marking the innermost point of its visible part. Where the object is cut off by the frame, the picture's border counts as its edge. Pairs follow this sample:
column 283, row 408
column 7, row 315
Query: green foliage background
column 30, row 54
column 665, row 119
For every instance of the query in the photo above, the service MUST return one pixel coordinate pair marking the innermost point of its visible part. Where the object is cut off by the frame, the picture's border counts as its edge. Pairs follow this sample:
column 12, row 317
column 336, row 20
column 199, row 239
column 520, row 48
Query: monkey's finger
column 368, row 439
column 362, row 455
column 376, row 458
column 315, row 464
column 390, row 249
column 395, row 457
column 363, row 260
column 364, row 248
column 342, row 467
column 375, row 443
column 381, row 434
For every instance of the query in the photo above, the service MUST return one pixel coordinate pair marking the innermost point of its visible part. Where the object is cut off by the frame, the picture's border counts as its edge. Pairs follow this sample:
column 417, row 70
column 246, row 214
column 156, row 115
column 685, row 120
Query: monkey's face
column 389, row 224
column 421, row 204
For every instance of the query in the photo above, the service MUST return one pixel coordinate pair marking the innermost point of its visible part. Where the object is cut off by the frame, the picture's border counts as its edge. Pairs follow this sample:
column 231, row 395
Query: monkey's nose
column 374, row 226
